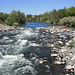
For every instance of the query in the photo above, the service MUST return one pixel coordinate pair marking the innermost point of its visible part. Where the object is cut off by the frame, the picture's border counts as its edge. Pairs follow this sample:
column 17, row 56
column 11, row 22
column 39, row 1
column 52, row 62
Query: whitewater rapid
column 13, row 44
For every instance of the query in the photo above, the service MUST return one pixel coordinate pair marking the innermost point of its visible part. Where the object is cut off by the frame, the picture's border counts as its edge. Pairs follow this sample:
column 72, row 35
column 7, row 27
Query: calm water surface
column 35, row 24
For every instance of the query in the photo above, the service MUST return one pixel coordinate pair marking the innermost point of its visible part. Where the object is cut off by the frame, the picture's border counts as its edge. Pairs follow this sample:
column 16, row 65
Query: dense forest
column 64, row 16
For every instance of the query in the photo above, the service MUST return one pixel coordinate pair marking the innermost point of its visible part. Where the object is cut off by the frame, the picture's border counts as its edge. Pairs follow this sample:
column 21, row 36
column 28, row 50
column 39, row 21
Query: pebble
column 60, row 42
column 54, row 55
column 59, row 63
column 69, row 67
column 40, row 62
column 52, row 45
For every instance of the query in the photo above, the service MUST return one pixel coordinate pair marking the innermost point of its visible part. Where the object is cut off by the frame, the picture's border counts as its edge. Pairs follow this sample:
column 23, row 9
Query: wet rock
column 5, row 37
column 40, row 39
column 1, row 55
column 40, row 62
column 25, row 70
column 64, row 37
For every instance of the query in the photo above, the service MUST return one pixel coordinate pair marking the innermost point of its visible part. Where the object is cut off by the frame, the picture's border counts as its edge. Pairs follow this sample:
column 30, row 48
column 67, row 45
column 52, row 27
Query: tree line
column 65, row 16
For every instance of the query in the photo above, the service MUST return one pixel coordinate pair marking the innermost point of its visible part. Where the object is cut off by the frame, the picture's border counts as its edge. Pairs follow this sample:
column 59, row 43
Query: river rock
column 54, row 55
column 64, row 37
column 74, row 39
column 67, row 43
column 69, row 67
column 59, row 63
column 51, row 45
column 60, row 42
column 63, row 50
column 40, row 62
column 1, row 55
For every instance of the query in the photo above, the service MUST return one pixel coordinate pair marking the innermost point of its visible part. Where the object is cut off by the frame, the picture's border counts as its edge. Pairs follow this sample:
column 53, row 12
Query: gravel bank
column 7, row 28
column 58, row 39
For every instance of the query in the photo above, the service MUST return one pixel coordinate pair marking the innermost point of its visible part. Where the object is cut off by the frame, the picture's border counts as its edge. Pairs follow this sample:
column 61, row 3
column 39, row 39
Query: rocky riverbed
column 61, row 42
column 56, row 42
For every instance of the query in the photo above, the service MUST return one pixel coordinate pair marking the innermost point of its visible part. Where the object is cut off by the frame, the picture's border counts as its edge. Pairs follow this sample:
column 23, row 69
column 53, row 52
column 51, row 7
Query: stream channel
column 20, row 53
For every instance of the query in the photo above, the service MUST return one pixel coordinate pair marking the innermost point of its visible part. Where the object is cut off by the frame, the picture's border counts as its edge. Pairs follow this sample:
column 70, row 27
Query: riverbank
column 61, row 41
column 7, row 28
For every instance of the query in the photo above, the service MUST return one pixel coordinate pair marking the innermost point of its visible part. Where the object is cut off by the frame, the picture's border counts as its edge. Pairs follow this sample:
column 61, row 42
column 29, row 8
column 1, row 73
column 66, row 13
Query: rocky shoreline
column 4, row 28
column 61, row 41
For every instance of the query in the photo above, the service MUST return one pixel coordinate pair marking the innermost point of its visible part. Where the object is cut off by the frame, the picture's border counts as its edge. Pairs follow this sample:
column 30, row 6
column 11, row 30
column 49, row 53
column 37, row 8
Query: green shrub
column 71, row 44
column 69, row 21
column 10, row 21
column 16, row 17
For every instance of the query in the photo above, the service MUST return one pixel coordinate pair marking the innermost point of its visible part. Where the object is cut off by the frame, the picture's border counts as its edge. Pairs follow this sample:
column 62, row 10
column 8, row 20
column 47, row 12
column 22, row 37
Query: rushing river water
column 18, row 54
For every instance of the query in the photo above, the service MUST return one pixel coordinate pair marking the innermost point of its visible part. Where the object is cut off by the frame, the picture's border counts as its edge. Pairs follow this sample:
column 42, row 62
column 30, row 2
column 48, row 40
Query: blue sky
column 34, row 6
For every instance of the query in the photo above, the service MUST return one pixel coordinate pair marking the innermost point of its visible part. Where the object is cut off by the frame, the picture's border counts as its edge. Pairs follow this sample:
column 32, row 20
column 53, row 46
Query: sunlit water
column 35, row 24
column 17, row 54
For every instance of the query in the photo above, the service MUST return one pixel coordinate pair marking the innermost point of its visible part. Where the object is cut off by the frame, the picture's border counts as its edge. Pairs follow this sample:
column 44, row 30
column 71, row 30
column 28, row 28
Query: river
column 19, row 54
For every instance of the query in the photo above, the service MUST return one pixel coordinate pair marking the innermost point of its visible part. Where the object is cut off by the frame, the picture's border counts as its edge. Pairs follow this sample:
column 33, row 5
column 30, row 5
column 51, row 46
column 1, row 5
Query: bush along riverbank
column 61, row 42
column 14, row 18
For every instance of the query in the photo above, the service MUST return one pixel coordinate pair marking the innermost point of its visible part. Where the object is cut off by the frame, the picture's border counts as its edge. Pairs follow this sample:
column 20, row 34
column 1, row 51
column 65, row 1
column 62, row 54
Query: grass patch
column 71, row 44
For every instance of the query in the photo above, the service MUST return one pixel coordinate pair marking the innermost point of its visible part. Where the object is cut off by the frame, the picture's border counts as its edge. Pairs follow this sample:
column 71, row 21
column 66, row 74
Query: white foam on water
column 25, row 70
column 8, row 60
column 5, row 37
column 22, row 42
column 34, row 44
column 15, row 63
column 8, row 41
column 28, row 33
